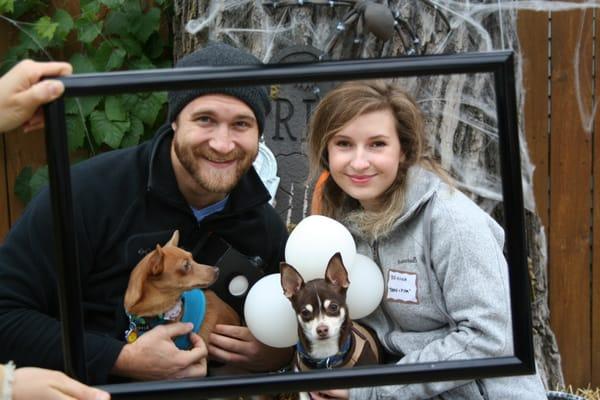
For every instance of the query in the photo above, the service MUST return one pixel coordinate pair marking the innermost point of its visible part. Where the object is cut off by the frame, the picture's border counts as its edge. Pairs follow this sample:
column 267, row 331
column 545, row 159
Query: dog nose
column 322, row 330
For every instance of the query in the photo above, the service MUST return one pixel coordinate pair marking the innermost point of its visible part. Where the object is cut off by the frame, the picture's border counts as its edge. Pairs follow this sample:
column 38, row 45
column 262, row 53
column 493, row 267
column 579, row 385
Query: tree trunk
column 460, row 109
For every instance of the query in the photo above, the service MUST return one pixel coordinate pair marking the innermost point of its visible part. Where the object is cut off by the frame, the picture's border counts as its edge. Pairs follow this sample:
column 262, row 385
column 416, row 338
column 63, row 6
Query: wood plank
column 4, row 212
column 570, row 197
column 23, row 149
column 6, row 32
column 533, row 34
column 595, row 353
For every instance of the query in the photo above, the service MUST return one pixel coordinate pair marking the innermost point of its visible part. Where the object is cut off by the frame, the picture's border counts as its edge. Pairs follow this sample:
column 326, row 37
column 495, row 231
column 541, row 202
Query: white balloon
column 312, row 243
column 269, row 314
column 366, row 287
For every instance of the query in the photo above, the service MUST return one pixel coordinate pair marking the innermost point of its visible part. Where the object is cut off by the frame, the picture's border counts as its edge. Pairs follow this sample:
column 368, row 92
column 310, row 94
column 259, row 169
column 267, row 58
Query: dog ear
column 291, row 280
column 174, row 241
column 156, row 263
column 336, row 273
column 135, row 287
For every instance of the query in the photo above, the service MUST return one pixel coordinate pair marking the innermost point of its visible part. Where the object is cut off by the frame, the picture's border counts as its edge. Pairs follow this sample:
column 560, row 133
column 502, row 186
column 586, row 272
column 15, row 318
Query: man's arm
column 30, row 331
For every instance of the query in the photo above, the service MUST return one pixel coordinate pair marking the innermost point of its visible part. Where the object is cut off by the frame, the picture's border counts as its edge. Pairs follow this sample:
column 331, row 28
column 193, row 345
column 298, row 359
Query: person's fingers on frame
column 40, row 93
column 56, row 68
column 36, row 70
column 35, row 122
column 72, row 389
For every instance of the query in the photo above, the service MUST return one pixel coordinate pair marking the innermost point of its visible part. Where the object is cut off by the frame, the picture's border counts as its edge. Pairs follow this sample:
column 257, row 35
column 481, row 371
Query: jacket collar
column 248, row 193
column 421, row 184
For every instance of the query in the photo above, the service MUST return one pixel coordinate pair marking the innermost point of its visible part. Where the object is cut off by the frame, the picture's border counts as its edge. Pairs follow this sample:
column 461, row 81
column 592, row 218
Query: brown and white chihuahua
column 327, row 336
column 163, row 287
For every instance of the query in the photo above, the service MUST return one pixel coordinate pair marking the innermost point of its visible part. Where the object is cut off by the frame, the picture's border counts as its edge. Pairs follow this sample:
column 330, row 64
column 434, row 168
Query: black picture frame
column 499, row 63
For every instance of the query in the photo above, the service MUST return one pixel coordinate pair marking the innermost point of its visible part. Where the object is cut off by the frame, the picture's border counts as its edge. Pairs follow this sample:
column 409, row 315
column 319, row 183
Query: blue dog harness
column 194, row 309
column 328, row 362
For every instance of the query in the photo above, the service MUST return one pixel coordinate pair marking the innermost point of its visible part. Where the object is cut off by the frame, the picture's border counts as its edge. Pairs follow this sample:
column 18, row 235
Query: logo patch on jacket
column 402, row 287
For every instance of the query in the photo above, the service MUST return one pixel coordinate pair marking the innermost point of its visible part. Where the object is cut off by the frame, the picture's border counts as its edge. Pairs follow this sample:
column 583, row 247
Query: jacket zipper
column 377, row 259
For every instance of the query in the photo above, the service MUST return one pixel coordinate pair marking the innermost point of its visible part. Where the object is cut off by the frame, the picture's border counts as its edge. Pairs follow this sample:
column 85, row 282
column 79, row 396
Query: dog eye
column 305, row 313
column 187, row 266
column 333, row 307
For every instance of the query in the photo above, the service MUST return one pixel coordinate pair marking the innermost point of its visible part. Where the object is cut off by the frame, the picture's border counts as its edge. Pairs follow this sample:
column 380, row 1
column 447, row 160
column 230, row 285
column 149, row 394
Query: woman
column 446, row 295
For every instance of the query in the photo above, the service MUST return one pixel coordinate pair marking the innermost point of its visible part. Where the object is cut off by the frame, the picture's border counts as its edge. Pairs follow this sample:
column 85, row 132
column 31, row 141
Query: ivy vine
column 112, row 35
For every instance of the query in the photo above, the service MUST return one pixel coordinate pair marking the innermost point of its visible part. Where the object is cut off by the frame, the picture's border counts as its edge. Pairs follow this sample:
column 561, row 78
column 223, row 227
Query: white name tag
column 402, row 286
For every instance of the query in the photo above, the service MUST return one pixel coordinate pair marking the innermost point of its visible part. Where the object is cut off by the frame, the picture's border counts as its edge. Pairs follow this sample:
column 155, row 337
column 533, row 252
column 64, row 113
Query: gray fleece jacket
column 446, row 293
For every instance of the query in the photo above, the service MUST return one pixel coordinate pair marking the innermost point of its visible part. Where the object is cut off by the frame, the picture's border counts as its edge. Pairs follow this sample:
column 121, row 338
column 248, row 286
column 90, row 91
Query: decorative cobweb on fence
column 460, row 110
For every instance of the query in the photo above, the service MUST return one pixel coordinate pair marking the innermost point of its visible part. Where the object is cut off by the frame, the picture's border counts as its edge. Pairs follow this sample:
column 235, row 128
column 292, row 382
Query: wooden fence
column 559, row 65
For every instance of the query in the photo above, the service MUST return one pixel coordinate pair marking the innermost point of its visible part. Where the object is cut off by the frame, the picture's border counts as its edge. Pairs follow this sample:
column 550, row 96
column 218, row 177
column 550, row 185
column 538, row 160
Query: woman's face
column 364, row 157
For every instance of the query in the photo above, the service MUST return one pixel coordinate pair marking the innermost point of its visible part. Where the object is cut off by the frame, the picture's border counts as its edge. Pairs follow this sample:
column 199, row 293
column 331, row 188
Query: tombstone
column 285, row 135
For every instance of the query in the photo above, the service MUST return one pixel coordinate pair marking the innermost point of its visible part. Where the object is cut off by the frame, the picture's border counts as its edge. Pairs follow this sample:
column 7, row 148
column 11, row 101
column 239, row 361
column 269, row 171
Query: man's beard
column 211, row 179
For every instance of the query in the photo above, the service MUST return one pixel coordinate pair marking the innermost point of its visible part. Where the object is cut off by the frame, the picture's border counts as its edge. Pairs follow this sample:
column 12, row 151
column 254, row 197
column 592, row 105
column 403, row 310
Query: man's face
column 215, row 143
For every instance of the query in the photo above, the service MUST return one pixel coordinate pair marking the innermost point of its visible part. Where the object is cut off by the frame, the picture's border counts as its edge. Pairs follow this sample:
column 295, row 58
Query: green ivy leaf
column 132, row 7
column 87, row 104
column 75, row 131
column 7, row 6
column 65, row 23
column 102, row 54
column 106, row 131
column 116, row 59
column 45, row 28
column 22, row 188
column 149, row 108
column 113, row 107
column 112, row 3
column 90, row 9
column 135, row 132
column 155, row 46
column 82, row 63
column 129, row 101
column 31, row 39
column 88, row 31
column 148, row 23
column 38, row 180
column 24, row 6
column 131, row 45
column 142, row 62
column 116, row 23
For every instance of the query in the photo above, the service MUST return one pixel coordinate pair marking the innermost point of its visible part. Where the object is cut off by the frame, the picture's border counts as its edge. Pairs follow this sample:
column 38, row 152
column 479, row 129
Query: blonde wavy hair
column 338, row 108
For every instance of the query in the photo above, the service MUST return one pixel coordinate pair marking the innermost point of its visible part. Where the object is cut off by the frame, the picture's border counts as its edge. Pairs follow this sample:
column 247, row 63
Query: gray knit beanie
column 256, row 97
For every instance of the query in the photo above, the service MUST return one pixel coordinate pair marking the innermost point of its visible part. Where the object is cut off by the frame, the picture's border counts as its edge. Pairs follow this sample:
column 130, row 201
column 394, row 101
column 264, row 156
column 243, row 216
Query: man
column 196, row 176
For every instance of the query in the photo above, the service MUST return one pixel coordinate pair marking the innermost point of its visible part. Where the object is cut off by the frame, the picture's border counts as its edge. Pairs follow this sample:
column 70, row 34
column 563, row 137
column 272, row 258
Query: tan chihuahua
column 164, row 287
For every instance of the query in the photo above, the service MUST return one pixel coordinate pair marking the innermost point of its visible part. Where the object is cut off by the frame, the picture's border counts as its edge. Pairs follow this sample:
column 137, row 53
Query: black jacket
column 125, row 202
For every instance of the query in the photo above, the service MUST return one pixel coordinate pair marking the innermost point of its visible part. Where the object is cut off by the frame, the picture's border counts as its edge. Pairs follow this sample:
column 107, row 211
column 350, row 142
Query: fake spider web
column 460, row 109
